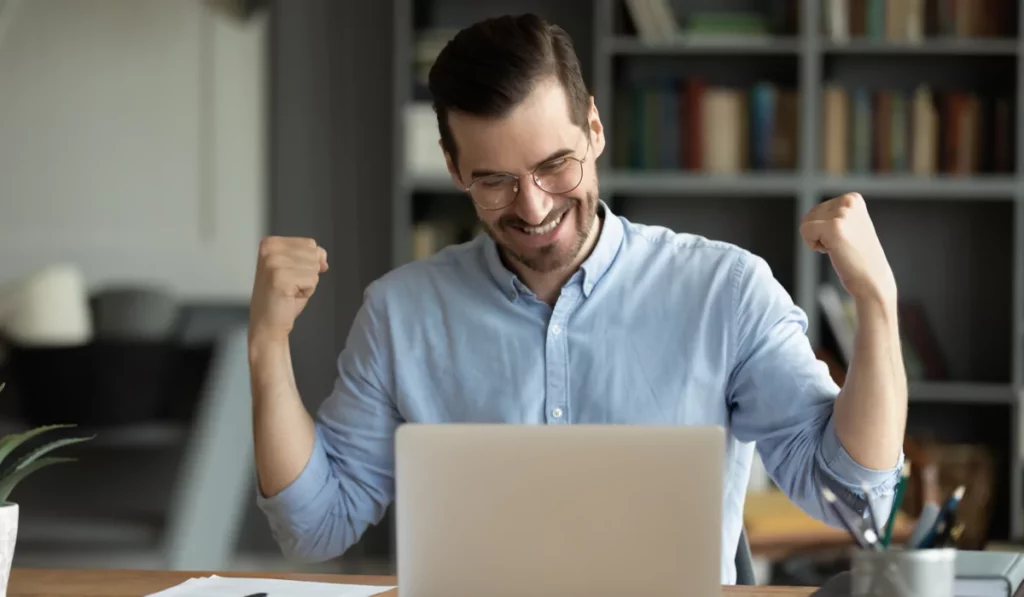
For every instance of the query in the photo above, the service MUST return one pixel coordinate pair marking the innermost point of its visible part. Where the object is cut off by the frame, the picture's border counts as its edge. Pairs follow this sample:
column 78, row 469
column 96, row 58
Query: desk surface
column 30, row 582
column 777, row 528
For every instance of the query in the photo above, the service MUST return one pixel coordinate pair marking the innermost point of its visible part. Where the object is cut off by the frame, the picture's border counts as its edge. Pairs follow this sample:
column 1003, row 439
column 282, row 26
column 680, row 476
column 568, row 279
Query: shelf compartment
column 671, row 113
column 883, row 20
column 953, row 263
column 955, row 117
column 706, row 18
column 763, row 225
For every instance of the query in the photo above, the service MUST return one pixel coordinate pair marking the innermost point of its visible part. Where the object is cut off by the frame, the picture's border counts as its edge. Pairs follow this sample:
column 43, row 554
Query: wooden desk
column 28, row 582
column 778, row 529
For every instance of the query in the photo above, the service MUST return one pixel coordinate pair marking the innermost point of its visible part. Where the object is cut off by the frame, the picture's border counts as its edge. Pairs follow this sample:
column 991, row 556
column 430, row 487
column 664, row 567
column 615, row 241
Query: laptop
column 503, row 510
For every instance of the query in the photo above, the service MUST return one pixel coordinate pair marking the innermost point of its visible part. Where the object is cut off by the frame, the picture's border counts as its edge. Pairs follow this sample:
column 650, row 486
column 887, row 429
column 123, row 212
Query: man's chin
column 543, row 260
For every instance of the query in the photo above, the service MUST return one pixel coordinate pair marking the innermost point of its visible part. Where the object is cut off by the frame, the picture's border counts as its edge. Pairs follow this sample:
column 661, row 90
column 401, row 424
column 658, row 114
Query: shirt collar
column 605, row 250
column 592, row 269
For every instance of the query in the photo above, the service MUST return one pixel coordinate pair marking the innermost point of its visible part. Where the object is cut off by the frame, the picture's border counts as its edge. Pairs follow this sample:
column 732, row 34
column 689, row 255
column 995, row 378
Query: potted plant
column 12, row 473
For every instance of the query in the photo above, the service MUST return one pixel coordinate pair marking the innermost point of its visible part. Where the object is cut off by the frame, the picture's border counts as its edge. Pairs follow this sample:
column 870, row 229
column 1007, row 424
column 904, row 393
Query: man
column 566, row 313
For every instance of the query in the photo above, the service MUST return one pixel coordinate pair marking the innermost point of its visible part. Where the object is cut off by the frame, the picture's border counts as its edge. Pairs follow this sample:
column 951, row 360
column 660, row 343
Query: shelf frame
column 633, row 46
column 942, row 46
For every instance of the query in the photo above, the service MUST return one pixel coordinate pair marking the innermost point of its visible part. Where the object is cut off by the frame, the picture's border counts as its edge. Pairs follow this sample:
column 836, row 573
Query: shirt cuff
column 305, row 491
column 838, row 463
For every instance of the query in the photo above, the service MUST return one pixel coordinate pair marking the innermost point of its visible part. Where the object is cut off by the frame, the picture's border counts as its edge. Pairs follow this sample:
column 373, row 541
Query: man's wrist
column 877, row 305
column 265, row 343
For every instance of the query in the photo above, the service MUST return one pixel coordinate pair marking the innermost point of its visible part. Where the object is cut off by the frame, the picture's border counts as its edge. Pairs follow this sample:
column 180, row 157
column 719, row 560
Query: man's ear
column 596, row 129
column 453, row 170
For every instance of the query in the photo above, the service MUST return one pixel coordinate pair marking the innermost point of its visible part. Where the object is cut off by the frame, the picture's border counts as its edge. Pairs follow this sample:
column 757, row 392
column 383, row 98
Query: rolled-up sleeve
column 781, row 397
column 348, row 481
column 295, row 512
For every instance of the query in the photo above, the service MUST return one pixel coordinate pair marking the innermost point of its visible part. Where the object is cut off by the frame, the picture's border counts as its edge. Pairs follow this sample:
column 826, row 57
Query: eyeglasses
column 559, row 176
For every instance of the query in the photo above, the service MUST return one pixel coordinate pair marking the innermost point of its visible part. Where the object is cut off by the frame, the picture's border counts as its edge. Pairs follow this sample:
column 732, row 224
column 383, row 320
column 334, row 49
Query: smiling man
column 565, row 313
column 527, row 165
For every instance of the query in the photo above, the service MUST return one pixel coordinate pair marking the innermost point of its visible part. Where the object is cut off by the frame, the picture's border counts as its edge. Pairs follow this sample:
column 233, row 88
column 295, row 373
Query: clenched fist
column 287, row 274
column 842, row 229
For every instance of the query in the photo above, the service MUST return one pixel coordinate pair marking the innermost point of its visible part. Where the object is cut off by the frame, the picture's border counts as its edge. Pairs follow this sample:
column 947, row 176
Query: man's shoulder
column 426, row 278
column 696, row 270
column 727, row 273
column 684, row 252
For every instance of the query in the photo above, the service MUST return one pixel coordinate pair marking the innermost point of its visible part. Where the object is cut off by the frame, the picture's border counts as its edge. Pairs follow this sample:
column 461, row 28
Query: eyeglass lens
column 560, row 176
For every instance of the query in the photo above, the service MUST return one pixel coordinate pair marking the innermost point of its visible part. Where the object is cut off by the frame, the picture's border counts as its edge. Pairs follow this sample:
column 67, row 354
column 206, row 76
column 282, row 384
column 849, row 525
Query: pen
column 929, row 513
column 944, row 520
column 949, row 532
column 954, row 535
column 897, row 501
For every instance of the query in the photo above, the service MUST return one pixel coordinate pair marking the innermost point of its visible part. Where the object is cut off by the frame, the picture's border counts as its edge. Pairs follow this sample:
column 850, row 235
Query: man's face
column 544, row 231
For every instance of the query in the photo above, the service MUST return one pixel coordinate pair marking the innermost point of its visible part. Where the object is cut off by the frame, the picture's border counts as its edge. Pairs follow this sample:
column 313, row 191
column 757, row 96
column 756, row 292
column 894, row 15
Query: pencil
column 897, row 500
column 945, row 519
column 929, row 513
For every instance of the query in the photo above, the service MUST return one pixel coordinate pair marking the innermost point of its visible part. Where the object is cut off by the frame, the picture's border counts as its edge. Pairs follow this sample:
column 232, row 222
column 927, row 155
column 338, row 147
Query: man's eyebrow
column 561, row 153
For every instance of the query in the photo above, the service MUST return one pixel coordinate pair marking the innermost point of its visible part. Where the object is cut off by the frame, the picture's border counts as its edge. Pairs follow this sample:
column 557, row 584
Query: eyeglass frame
column 533, row 175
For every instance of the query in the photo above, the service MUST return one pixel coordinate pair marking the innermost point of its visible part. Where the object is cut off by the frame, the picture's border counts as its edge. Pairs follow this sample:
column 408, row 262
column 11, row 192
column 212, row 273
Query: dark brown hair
column 490, row 67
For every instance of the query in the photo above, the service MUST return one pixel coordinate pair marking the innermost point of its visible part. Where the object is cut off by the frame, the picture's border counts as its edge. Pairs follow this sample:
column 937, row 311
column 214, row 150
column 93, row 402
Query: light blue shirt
column 656, row 327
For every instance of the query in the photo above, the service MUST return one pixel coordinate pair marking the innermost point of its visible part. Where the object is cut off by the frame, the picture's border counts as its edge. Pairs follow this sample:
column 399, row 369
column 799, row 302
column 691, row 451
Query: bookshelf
column 945, row 192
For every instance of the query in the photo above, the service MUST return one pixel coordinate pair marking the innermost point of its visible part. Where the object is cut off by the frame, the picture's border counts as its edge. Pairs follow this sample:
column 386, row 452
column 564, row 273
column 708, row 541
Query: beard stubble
column 546, row 259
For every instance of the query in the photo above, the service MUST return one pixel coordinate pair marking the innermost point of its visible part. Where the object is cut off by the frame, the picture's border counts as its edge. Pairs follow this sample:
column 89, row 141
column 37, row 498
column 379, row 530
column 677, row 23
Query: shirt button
column 556, row 413
column 555, row 329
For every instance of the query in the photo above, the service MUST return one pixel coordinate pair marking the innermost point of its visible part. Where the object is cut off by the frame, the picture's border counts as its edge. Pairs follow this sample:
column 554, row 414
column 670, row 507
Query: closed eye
column 492, row 182
column 553, row 166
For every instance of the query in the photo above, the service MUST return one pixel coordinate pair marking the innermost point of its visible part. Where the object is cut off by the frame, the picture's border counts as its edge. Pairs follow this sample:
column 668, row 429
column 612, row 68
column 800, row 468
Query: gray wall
column 330, row 167
column 330, row 160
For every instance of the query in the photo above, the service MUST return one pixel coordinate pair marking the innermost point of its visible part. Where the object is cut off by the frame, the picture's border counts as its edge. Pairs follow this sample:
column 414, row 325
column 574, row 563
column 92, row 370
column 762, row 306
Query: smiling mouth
column 544, row 228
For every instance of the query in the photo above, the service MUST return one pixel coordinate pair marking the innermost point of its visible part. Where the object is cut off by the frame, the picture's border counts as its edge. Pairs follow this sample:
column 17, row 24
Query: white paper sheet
column 224, row 586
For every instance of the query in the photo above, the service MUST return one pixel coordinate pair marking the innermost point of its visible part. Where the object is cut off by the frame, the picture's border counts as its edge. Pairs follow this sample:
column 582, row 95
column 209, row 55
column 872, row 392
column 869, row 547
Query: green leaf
column 9, row 482
column 45, row 449
column 9, row 443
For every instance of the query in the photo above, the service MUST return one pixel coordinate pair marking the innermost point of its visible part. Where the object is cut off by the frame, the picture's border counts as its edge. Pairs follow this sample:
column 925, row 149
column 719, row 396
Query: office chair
column 744, row 561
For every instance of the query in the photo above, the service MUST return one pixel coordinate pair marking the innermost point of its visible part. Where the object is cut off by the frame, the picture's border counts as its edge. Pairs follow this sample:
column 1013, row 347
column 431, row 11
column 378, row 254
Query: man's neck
column 548, row 286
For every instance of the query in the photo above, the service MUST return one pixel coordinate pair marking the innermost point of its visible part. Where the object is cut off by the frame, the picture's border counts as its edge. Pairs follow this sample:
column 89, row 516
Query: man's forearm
column 871, row 411
column 283, row 430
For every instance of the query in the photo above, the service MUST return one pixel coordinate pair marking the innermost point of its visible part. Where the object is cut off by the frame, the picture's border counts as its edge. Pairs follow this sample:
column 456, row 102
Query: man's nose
column 533, row 204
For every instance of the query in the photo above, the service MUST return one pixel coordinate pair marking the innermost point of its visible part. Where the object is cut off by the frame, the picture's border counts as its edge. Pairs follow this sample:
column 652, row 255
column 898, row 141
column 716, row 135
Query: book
column 989, row 574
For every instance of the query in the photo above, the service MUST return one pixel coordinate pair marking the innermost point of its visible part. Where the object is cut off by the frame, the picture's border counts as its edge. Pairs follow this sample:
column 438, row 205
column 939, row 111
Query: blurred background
column 147, row 145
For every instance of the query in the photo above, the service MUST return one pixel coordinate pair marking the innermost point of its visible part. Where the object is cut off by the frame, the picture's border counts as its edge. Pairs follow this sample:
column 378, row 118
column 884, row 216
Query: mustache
column 517, row 222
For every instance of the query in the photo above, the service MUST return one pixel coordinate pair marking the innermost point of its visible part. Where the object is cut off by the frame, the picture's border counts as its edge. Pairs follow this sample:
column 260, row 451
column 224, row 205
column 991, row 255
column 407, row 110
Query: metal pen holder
column 903, row 573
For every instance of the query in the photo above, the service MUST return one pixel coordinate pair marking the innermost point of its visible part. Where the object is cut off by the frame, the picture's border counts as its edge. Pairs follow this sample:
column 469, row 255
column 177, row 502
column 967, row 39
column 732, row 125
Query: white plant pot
column 8, row 540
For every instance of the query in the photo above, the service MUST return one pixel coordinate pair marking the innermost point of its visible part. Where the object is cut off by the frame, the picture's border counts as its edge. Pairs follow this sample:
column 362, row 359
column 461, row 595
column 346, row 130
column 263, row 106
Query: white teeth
column 543, row 229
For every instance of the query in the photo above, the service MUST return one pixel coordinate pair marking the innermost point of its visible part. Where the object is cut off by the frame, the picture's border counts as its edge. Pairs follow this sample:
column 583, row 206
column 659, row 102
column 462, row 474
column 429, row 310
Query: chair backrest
column 744, row 561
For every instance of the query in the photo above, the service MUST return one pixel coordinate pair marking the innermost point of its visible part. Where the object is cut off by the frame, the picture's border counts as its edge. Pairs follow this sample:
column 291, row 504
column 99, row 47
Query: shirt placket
column 557, row 358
